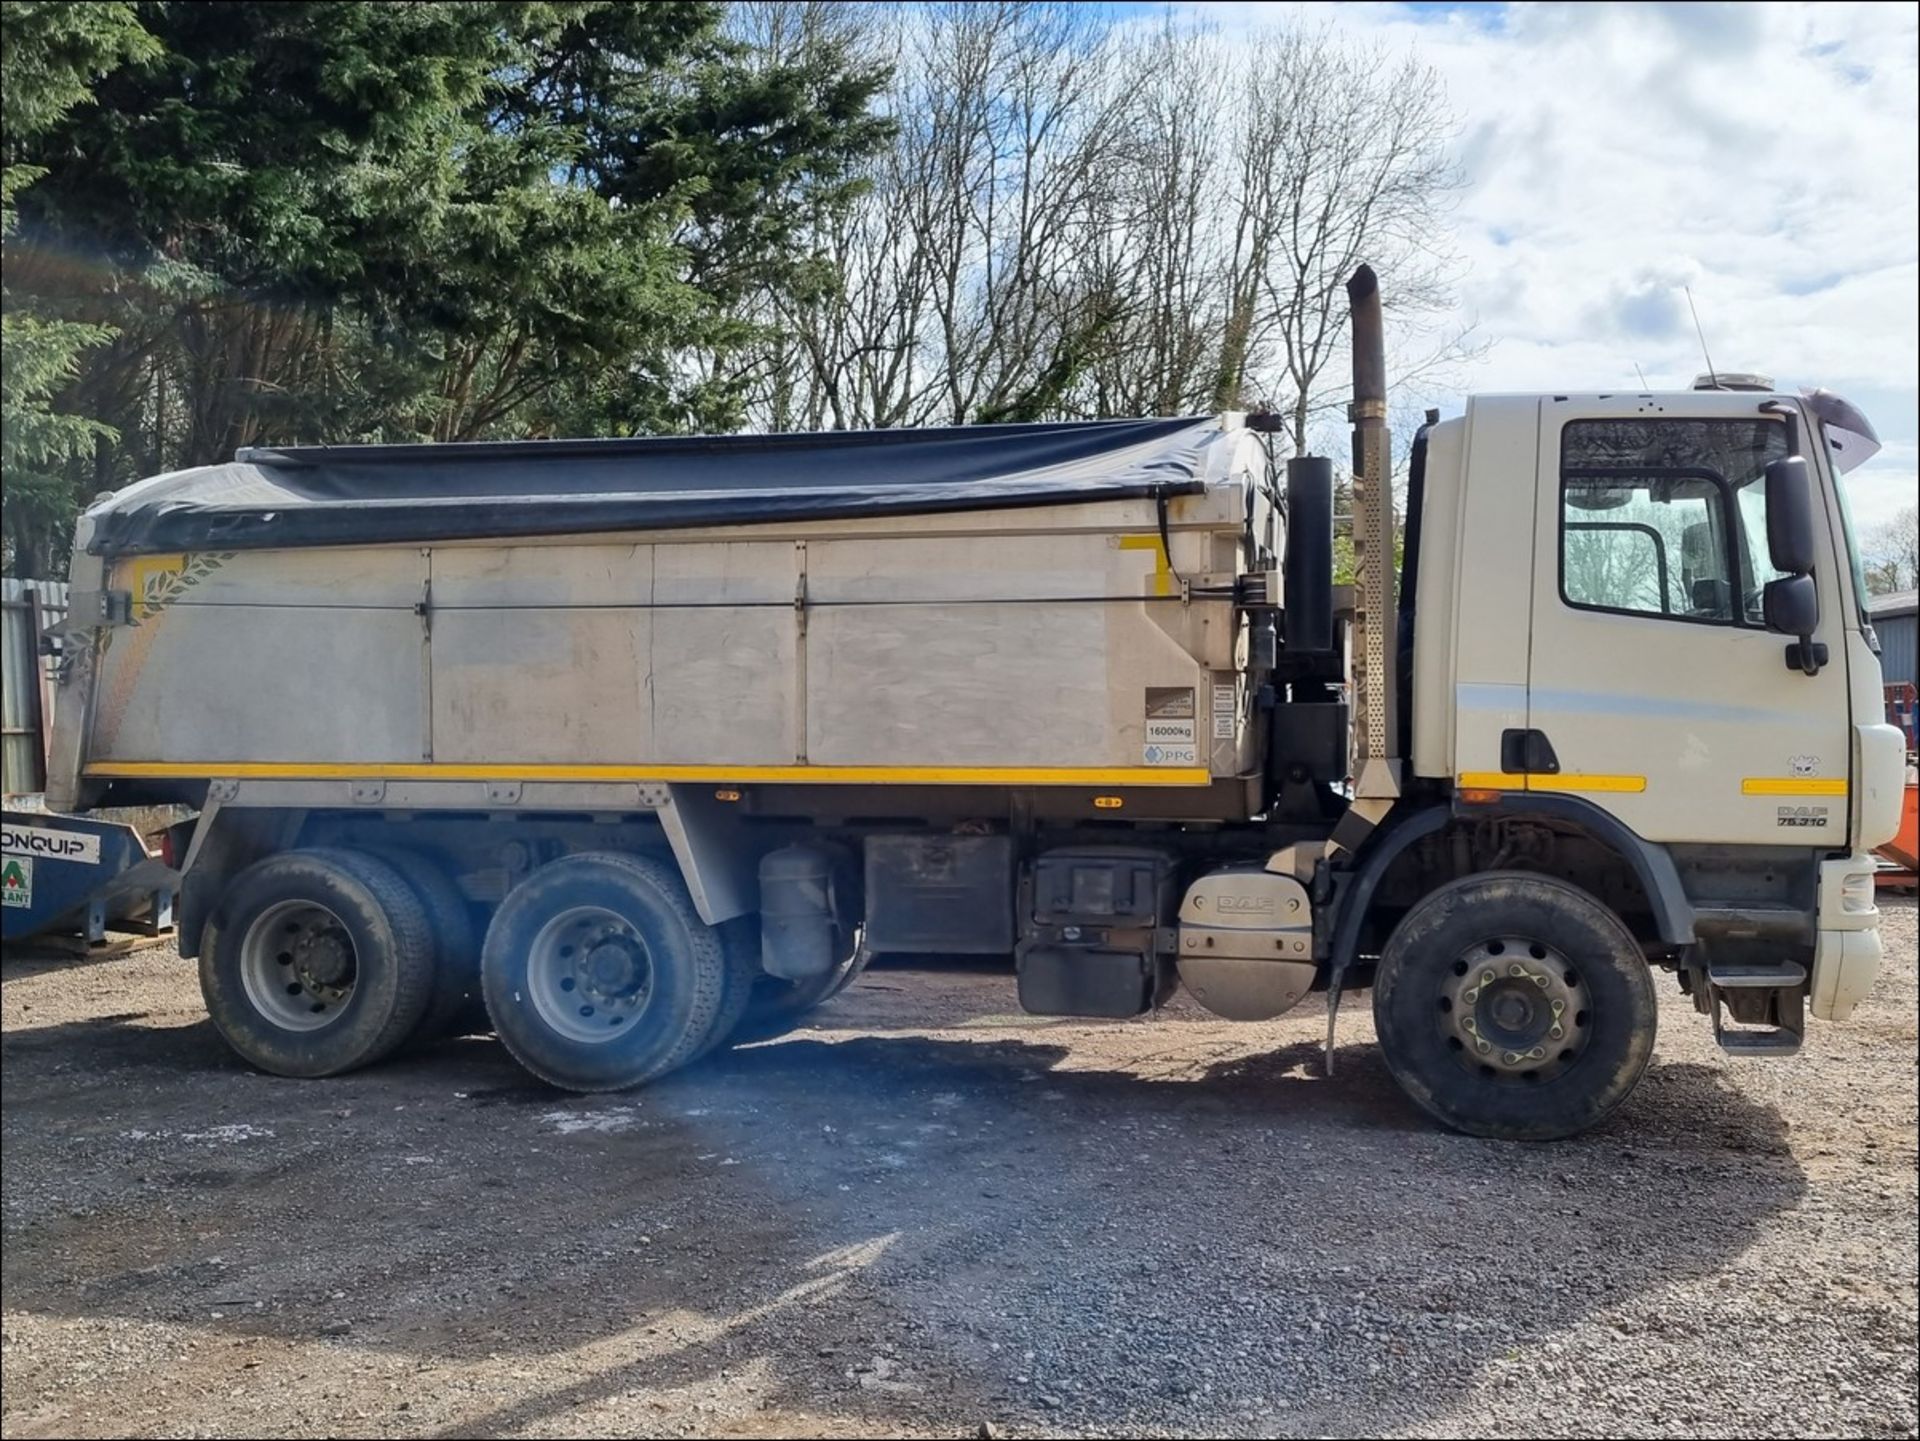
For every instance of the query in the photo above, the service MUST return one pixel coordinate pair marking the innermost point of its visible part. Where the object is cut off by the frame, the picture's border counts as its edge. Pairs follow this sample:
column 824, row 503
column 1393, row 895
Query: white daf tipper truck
column 634, row 748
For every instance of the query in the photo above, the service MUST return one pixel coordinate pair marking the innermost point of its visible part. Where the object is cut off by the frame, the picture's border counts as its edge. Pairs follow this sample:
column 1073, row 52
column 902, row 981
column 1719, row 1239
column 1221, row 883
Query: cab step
column 1767, row 997
column 1758, row 1043
column 1745, row 975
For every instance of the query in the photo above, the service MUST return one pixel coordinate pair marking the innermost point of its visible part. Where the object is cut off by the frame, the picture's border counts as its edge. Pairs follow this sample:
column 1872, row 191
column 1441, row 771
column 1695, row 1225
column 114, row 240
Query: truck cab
column 1592, row 621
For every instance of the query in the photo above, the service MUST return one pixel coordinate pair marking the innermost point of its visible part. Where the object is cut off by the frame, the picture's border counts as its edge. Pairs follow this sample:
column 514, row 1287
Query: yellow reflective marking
column 1587, row 783
column 1490, row 781
column 1162, row 567
column 1791, row 786
column 802, row 775
column 1514, row 781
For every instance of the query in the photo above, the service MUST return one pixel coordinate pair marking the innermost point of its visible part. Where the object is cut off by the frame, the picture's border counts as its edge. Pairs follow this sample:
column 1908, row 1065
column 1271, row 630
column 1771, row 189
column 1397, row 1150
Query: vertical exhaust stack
column 1308, row 594
column 1376, row 642
column 1376, row 619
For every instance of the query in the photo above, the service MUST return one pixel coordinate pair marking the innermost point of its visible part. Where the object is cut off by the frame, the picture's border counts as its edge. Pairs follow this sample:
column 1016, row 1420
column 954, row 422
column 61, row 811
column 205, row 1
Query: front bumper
column 1846, row 951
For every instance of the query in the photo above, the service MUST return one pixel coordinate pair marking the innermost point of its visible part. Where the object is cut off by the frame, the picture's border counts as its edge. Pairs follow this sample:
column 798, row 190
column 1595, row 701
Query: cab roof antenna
column 1713, row 379
column 1643, row 376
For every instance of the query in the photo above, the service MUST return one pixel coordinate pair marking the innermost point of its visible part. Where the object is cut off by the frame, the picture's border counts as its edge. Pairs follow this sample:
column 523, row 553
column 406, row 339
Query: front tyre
column 1515, row 1006
column 599, row 973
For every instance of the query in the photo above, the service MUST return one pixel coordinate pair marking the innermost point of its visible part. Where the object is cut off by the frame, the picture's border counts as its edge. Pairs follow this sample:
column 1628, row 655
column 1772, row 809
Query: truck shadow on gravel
column 917, row 1230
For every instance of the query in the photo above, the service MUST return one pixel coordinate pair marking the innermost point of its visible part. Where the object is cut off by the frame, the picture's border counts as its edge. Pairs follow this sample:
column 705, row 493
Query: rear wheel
column 740, row 946
column 778, row 1006
column 455, row 1008
column 1516, row 1006
column 599, row 973
column 316, row 962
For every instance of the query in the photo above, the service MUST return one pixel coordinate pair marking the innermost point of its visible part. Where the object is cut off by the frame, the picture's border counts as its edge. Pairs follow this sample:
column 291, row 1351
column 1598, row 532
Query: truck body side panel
column 314, row 656
column 995, row 648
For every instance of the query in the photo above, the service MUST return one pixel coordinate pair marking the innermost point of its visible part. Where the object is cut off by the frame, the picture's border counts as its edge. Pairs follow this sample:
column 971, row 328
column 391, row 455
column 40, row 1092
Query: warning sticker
column 16, row 881
column 1155, row 754
column 1170, row 702
column 1225, row 712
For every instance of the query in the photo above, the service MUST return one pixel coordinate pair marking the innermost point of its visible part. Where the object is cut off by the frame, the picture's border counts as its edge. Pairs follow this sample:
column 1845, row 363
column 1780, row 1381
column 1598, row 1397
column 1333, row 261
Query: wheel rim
column 1514, row 1009
column 589, row 974
column 298, row 965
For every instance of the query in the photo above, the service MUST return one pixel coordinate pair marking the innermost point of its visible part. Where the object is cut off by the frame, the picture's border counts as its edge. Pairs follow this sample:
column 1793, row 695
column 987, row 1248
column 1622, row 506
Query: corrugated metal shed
column 1894, row 621
column 27, row 608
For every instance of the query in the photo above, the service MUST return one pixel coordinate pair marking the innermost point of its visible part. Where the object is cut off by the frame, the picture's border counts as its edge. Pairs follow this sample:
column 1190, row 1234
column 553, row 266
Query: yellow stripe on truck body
column 783, row 775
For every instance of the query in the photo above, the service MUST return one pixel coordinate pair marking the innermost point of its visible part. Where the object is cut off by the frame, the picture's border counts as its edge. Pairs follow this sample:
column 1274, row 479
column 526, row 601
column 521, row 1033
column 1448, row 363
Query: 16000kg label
column 1172, row 727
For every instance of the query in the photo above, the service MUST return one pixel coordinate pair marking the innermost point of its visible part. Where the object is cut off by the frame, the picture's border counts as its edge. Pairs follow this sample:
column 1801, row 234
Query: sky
column 1614, row 154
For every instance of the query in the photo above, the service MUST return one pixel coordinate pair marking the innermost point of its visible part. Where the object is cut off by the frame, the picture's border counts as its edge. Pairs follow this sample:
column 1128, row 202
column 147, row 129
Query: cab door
column 1654, row 689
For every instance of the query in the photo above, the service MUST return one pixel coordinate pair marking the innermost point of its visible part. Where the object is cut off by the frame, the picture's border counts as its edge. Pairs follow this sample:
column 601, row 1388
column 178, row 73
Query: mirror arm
column 1806, row 655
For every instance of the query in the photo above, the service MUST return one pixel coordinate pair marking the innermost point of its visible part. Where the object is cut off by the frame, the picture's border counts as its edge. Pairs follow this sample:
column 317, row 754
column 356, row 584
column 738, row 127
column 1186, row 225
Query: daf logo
column 1246, row 903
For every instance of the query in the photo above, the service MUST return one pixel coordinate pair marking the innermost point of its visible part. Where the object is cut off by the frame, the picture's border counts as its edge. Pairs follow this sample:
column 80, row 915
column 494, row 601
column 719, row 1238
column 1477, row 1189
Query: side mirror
column 1791, row 605
column 1789, row 516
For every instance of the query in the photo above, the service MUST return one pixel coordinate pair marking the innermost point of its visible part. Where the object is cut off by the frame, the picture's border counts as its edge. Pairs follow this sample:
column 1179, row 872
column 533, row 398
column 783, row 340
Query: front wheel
column 1514, row 1006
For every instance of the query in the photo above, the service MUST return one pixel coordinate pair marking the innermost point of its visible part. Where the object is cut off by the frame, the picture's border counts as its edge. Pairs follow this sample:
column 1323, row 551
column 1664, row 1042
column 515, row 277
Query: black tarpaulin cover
column 356, row 495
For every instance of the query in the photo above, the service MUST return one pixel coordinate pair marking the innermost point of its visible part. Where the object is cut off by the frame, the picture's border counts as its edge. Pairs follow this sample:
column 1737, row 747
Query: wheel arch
column 1649, row 865
column 226, row 840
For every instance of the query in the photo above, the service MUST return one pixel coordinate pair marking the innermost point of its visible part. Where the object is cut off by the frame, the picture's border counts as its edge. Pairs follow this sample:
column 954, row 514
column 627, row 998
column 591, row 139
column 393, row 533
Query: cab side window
column 1666, row 517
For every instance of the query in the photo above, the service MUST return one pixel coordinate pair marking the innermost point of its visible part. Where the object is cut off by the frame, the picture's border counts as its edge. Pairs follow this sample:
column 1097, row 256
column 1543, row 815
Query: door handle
column 1527, row 752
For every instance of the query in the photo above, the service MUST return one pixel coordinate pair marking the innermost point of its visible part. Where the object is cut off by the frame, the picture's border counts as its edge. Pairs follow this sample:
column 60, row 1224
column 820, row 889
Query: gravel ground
column 927, row 1215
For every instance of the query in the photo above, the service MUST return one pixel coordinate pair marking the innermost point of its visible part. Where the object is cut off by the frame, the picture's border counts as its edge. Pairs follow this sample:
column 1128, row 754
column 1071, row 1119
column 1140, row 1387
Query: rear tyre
column 1514, row 1006
column 599, row 973
column 777, row 1007
column 740, row 945
column 455, row 1008
column 316, row 962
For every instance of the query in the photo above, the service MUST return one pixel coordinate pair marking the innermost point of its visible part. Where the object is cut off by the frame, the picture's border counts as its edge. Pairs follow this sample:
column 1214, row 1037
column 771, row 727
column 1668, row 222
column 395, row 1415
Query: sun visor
column 1850, row 435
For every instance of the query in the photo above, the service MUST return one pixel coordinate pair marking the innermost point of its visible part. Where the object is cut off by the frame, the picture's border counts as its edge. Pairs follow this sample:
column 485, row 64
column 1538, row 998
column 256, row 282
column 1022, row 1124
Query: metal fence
column 28, row 608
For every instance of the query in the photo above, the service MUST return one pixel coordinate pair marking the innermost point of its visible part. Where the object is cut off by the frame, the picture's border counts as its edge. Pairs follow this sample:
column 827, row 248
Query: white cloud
column 1765, row 155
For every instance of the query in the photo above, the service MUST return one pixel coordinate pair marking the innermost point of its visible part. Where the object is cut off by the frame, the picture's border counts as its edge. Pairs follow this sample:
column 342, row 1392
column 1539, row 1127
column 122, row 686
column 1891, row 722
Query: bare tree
column 1156, row 262
column 1890, row 556
column 1360, row 173
column 945, row 291
column 1078, row 219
